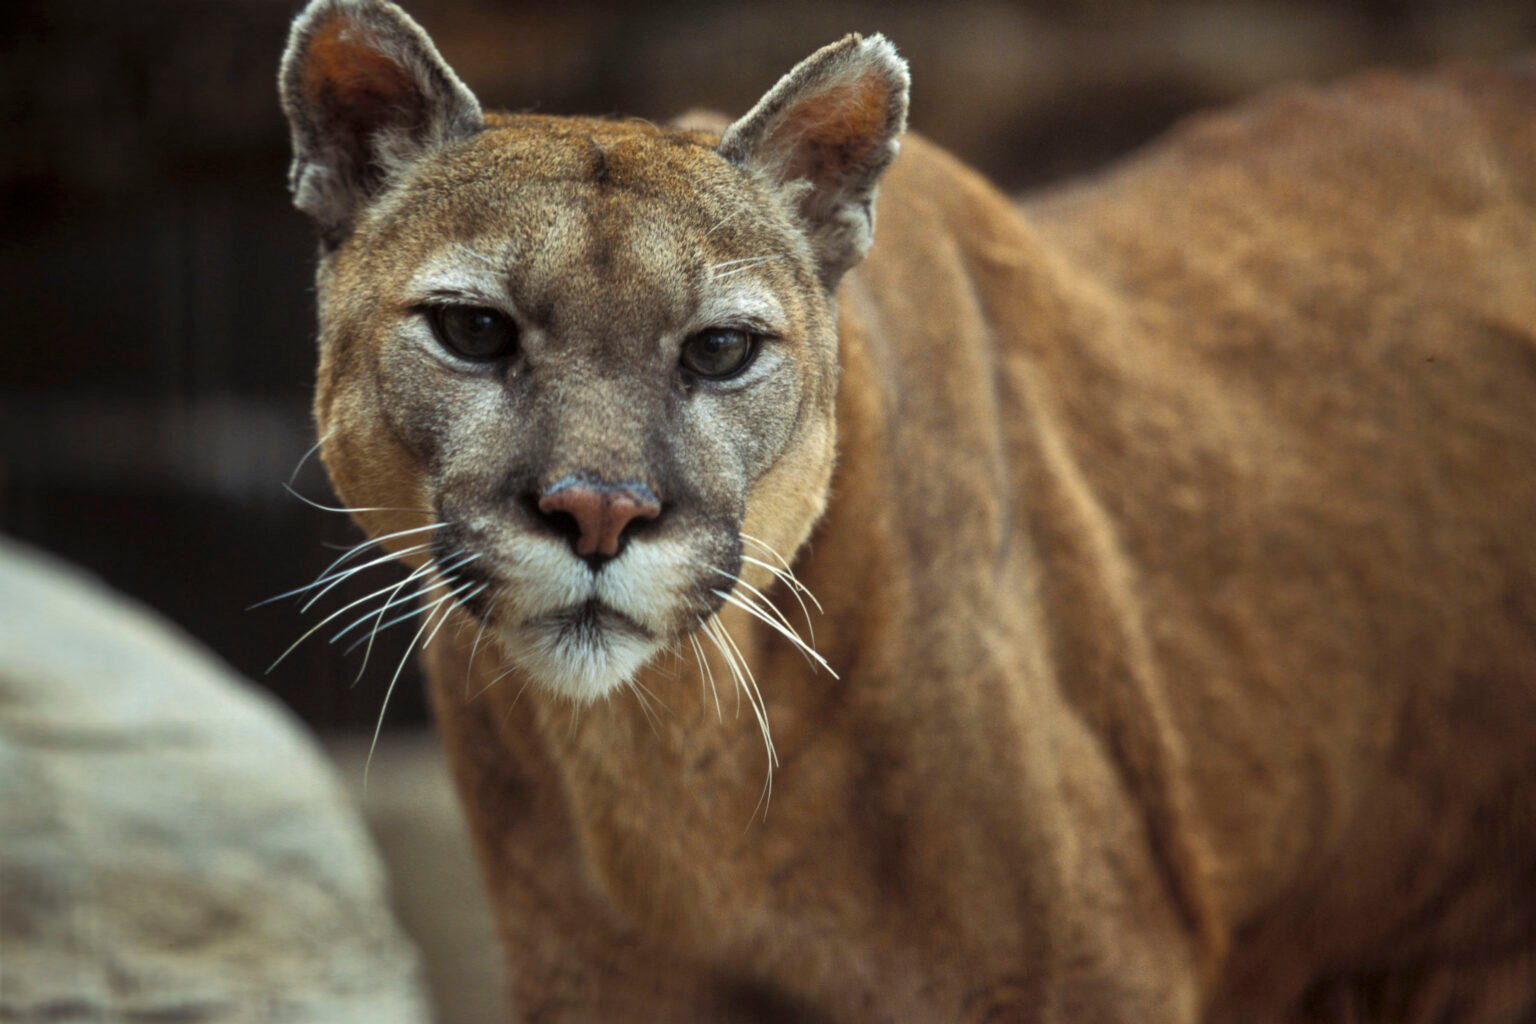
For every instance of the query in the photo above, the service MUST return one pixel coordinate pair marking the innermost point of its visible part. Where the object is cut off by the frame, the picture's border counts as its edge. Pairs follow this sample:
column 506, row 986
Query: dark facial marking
column 599, row 169
column 449, row 546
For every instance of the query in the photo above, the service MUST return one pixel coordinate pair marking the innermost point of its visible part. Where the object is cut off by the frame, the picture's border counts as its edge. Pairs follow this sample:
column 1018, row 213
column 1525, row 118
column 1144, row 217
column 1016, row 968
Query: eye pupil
column 718, row 353
column 474, row 332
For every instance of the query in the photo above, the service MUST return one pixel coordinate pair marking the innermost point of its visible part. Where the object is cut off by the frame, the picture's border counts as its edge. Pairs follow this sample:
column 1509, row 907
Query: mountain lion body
column 1172, row 535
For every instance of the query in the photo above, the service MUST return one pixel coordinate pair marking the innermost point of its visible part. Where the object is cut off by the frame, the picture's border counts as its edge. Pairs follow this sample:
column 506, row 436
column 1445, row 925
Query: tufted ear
column 367, row 95
column 829, row 129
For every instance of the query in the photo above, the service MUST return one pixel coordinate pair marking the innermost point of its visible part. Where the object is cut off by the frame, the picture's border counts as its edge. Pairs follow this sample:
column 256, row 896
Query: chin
column 583, row 655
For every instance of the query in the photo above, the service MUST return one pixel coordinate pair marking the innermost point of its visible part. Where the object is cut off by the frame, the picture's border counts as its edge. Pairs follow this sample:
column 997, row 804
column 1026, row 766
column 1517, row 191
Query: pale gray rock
column 173, row 848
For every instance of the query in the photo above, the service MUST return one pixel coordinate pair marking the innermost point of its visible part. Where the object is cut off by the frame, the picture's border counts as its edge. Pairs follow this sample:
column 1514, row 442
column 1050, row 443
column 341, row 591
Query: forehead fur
column 593, row 149
column 515, row 155
column 574, row 204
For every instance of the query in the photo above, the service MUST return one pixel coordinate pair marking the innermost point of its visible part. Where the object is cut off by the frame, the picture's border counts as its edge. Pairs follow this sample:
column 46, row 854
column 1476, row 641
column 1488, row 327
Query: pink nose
column 601, row 513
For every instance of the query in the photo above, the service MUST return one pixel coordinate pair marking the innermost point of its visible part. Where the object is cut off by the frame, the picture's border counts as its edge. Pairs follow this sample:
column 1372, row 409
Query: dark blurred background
column 155, row 289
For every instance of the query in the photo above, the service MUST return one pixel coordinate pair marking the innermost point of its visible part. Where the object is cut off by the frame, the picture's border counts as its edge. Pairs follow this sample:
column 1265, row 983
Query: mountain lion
column 1173, row 538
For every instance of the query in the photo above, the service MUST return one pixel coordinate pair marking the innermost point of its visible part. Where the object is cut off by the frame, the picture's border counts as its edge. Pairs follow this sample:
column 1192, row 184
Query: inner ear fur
column 829, row 129
column 367, row 95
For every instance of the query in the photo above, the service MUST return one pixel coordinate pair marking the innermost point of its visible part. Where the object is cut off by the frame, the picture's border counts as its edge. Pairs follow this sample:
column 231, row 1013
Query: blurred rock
column 172, row 847
column 434, row 881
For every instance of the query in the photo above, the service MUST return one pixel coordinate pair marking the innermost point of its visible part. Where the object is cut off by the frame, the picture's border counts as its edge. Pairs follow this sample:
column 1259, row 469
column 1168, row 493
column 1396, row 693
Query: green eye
column 718, row 353
column 474, row 332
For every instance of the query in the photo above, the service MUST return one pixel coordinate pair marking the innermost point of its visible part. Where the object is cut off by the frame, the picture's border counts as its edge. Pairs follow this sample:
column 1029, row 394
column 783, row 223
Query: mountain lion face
column 600, row 355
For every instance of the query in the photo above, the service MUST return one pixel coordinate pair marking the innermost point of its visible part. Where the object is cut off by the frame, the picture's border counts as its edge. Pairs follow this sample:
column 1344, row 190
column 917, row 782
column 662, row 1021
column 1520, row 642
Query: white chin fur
column 584, row 665
column 644, row 584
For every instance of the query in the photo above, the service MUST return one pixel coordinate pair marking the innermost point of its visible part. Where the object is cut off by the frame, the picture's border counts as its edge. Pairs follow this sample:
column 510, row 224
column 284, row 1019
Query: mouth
column 580, row 633
column 591, row 620
column 584, row 651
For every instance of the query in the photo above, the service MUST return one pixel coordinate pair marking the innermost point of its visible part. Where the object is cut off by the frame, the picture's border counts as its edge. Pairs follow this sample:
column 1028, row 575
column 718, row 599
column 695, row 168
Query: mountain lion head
column 579, row 373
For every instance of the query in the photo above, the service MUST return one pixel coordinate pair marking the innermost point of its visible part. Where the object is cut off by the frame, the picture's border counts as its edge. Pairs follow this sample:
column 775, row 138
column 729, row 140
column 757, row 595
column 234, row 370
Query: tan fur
column 1177, row 567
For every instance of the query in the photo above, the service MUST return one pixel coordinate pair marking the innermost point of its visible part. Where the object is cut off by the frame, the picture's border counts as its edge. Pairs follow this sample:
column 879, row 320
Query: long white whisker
column 395, row 598
column 493, row 682
column 792, row 581
column 365, row 544
column 423, row 592
column 722, row 221
column 737, row 262
column 705, row 672
column 769, row 548
column 793, row 586
column 764, row 545
column 519, row 696
column 447, row 581
column 789, row 570
column 475, row 648
column 758, row 707
column 651, row 694
column 338, row 612
column 645, row 708
column 422, row 570
column 306, row 457
column 768, row 603
column 326, row 577
column 742, row 269
column 389, row 691
column 789, row 634
column 743, row 583
column 748, row 684
column 730, row 662
column 329, row 508
column 343, row 576
column 454, row 601
column 668, row 672
column 759, row 711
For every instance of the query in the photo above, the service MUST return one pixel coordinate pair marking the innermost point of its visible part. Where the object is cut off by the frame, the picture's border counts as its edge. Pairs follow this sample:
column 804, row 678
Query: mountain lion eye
column 718, row 353
column 473, row 332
